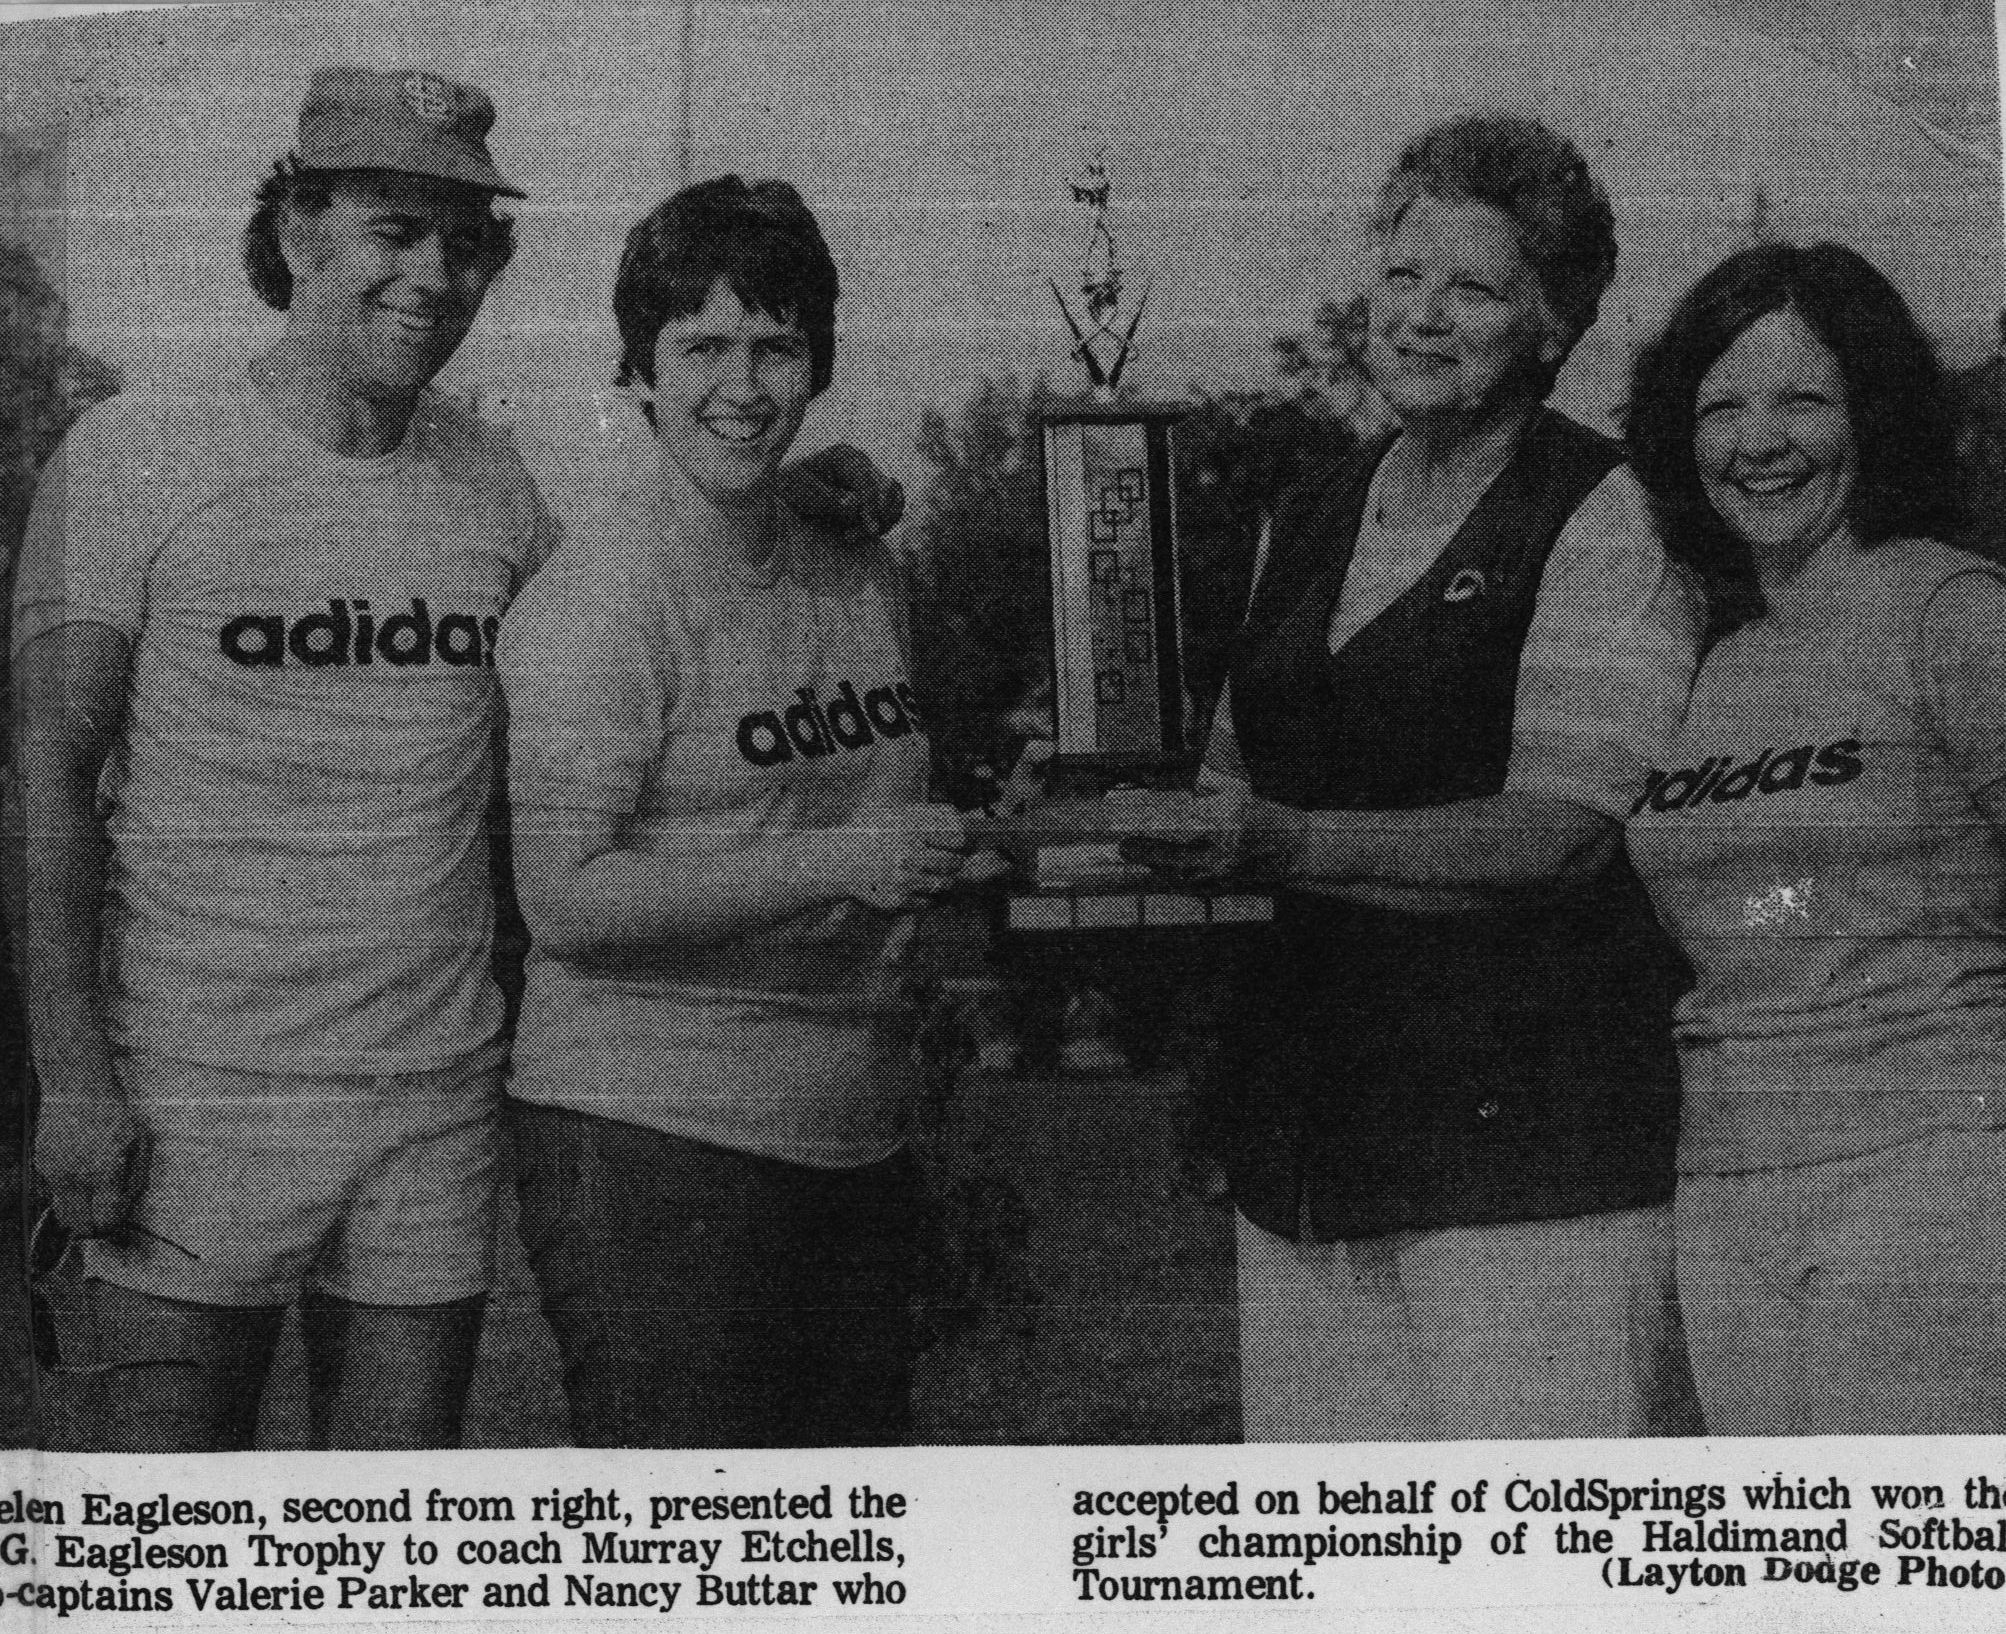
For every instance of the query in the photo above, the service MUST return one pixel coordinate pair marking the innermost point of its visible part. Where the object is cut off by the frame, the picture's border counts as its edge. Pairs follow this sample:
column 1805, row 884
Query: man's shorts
column 382, row 1189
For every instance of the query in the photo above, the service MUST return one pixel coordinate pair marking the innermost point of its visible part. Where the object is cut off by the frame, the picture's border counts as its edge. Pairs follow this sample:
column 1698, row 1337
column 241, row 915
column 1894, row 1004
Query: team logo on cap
column 430, row 97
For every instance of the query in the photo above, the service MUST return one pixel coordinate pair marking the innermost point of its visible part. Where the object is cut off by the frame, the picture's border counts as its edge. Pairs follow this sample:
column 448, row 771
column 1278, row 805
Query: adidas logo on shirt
column 351, row 632
column 1774, row 771
column 809, row 727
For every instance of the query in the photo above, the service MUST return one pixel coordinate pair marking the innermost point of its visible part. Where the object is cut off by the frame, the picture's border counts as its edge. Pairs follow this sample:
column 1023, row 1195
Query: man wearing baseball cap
column 254, row 641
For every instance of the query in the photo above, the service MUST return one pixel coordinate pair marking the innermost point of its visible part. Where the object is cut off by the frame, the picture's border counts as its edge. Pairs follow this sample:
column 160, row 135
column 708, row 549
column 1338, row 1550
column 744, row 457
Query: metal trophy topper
column 1110, row 519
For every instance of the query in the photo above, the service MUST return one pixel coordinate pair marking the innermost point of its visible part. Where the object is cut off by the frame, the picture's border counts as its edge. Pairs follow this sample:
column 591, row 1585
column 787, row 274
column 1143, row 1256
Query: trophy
column 1110, row 517
column 1117, row 633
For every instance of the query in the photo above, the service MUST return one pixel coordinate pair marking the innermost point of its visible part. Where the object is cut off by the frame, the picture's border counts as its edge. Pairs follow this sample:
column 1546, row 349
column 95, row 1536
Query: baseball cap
column 417, row 123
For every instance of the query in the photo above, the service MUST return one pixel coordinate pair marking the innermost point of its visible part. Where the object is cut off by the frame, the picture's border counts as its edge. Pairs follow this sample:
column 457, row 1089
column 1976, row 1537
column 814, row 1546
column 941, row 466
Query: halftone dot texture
column 934, row 140
column 1859, row 1296
column 1243, row 146
column 1535, row 1330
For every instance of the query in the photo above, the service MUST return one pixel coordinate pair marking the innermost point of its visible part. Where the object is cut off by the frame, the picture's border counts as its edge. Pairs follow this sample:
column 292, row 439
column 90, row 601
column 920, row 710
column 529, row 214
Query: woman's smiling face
column 1773, row 440
column 731, row 386
column 1457, row 321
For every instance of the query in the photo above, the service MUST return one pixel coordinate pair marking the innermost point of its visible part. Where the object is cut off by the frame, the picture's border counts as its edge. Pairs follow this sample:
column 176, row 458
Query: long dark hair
column 1895, row 391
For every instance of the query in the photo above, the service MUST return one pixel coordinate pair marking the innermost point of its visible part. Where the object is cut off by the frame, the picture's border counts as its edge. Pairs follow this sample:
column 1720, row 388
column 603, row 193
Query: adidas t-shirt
column 299, row 870
column 696, row 698
column 1825, row 840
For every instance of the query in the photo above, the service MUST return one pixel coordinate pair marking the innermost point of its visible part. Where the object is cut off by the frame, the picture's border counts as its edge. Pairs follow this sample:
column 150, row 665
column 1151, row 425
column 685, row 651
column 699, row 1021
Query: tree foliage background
column 45, row 381
column 982, row 627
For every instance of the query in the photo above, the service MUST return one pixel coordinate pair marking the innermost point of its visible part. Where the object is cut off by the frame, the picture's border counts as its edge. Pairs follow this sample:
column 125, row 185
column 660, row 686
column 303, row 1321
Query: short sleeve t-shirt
column 698, row 702
column 297, row 799
column 1824, row 840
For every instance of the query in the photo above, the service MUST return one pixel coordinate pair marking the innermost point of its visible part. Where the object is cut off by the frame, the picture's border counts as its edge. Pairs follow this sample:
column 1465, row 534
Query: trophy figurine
column 1117, row 631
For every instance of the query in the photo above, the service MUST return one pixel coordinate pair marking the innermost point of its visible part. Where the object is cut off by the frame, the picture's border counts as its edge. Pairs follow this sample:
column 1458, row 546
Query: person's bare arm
column 1511, row 847
column 588, row 896
column 1508, row 848
column 1603, row 676
column 69, row 699
column 1961, row 658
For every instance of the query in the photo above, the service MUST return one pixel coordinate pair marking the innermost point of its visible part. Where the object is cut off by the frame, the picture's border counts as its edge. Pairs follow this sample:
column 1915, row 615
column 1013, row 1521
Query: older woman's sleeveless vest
column 1384, row 1071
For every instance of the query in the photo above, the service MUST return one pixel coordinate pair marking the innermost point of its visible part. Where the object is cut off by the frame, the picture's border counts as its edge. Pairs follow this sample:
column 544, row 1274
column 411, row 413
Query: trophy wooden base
column 1074, row 878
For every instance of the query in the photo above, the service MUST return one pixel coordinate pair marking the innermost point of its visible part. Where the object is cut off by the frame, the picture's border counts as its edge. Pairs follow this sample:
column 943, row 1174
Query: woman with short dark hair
column 718, row 771
column 1826, row 835
column 1451, row 1097
column 759, row 237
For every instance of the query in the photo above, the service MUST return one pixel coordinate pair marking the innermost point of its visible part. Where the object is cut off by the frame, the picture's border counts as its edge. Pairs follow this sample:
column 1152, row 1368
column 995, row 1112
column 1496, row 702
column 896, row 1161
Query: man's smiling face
column 731, row 386
column 387, row 279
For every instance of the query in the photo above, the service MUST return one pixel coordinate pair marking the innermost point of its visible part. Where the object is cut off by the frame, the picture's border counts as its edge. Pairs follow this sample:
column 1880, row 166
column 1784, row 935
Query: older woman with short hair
column 1451, row 1092
column 1826, row 835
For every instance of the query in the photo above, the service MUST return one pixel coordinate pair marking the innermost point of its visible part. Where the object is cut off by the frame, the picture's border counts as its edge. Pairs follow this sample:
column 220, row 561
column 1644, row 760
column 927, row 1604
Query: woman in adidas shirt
column 1827, row 837
column 718, row 767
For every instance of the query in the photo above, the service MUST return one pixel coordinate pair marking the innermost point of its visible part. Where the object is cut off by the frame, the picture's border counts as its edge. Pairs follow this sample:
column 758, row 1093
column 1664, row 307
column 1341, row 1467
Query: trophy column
column 1117, row 626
